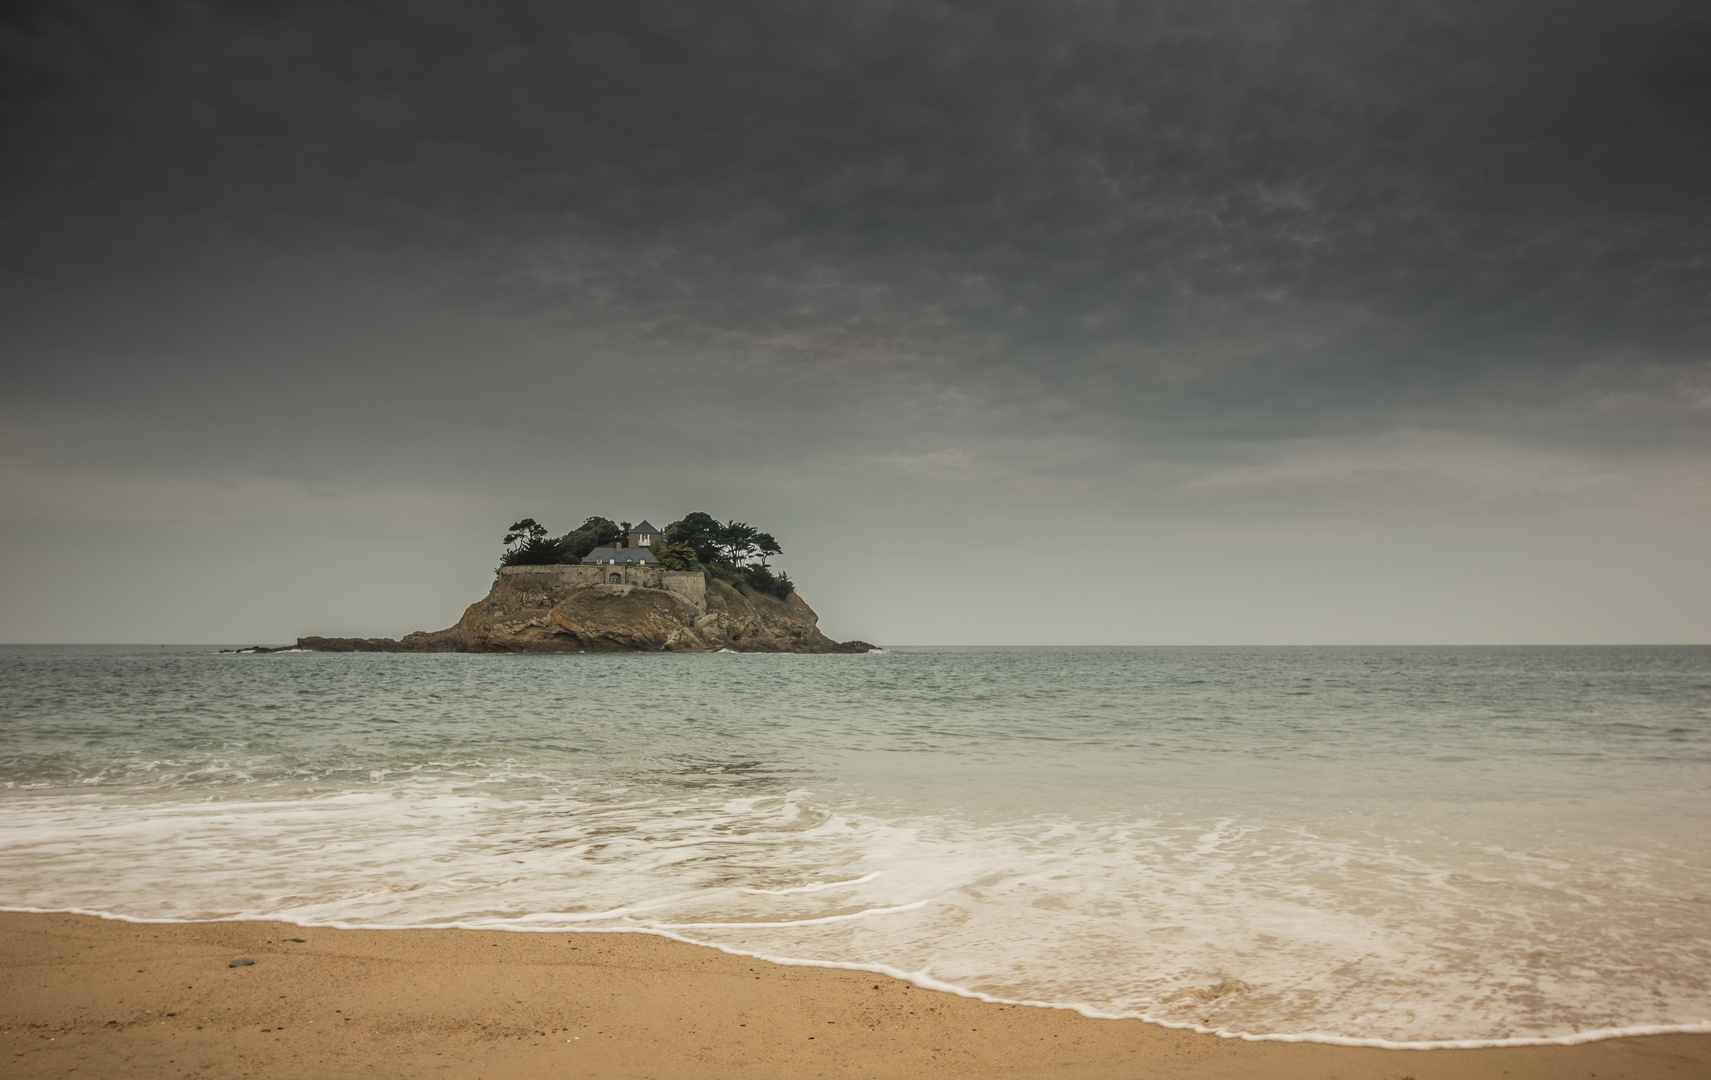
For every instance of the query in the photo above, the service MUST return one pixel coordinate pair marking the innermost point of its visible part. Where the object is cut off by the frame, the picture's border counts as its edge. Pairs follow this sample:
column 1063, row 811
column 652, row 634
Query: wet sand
column 81, row 996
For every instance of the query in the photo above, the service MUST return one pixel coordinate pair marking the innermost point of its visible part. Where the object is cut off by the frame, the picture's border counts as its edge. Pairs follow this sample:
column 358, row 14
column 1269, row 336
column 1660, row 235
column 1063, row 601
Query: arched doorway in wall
column 616, row 579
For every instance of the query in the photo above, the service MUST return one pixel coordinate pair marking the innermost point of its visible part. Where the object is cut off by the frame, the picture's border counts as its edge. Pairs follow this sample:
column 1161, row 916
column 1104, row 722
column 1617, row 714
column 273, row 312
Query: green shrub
column 760, row 579
column 677, row 557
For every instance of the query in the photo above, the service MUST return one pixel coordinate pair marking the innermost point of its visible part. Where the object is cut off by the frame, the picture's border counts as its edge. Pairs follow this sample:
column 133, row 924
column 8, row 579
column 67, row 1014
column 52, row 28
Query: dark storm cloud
column 1223, row 220
column 1319, row 321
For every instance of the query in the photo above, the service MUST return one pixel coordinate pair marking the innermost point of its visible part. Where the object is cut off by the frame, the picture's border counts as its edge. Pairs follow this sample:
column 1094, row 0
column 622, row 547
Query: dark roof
column 647, row 527
column 622, row 555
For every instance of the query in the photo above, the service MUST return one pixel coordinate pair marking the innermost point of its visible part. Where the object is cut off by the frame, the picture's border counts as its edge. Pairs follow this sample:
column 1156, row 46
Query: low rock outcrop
column 538, row 609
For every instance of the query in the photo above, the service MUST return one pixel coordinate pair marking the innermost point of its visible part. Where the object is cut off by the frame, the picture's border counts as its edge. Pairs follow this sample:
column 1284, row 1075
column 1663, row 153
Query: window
column 617, row 579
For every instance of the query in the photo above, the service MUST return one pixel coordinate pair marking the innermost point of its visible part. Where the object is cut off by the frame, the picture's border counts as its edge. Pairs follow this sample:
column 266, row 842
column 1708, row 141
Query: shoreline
column 102, row 996
column 933, row 985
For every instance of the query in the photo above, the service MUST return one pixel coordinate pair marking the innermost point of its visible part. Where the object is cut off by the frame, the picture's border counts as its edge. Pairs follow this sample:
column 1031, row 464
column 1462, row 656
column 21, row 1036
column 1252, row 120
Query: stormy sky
column 1025, row 323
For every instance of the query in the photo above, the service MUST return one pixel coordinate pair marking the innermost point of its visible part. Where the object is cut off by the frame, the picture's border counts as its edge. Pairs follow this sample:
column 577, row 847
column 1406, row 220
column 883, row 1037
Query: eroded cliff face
column 538, row 611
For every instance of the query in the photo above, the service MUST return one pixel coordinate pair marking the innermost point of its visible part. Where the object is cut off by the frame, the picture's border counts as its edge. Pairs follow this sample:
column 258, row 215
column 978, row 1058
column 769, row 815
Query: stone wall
column 690, row 586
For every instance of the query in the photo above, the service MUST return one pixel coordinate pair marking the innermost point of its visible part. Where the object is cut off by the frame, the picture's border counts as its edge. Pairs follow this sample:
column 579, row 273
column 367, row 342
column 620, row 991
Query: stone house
column 635, row 549
column 619, row 556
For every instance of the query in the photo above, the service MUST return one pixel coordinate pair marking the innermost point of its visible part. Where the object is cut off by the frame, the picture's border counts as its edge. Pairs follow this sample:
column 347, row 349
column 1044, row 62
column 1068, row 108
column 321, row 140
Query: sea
column 1375, row 846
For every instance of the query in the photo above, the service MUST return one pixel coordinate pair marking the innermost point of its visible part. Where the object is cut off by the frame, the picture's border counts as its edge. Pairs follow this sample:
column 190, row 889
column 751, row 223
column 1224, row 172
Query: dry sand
column 92, row 997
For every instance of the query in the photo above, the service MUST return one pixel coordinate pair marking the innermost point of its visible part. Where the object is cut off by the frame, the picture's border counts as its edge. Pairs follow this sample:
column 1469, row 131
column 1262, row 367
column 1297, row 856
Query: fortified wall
column 690, row 586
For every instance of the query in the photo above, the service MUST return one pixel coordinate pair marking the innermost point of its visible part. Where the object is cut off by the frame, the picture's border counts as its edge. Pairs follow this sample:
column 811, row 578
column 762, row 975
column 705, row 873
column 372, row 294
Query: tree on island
column 737, row 541
column 699, row 541
column 766, row 547
column 700, row 531
column 525, row 532
column 722, row 549
column 594, row 532
column 527, row 545
column 714, row 543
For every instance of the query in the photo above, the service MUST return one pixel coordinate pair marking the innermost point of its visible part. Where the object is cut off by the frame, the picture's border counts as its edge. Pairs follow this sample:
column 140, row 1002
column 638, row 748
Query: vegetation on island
column 732, row 551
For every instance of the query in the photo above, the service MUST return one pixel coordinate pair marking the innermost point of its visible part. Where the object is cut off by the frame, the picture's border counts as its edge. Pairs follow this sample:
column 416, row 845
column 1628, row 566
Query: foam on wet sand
column 95, row 997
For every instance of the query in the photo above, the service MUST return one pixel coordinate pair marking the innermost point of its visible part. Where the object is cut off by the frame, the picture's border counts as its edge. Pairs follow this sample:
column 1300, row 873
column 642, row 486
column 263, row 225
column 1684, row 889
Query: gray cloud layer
column 1015, row 246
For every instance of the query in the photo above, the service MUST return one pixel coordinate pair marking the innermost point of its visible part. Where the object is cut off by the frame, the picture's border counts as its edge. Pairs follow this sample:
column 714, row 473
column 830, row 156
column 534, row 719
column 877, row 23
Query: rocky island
column 687, row 588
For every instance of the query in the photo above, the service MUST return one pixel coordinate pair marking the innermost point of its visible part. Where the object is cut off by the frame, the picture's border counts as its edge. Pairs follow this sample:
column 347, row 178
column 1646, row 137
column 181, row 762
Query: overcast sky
column 1053, row 322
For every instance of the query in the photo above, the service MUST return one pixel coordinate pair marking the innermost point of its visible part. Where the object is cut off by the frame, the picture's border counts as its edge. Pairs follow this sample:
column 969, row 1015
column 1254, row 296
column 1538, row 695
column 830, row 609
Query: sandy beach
column 95, row 997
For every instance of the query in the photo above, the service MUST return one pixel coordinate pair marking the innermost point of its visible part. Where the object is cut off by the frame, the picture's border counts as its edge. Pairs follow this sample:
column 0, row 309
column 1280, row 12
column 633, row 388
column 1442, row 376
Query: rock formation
column 614, row 609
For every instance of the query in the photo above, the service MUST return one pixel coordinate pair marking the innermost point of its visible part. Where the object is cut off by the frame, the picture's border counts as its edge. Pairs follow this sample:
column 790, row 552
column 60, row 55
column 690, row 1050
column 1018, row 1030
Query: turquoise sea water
column 1400, row 845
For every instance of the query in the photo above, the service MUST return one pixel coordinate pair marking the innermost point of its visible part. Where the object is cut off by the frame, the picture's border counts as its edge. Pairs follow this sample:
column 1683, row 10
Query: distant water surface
column 1398, row 845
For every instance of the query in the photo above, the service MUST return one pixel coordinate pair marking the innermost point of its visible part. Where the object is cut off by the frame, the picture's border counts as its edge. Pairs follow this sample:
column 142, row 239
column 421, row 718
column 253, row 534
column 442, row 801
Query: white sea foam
column 1383, row 899
column 1331, row 936
column 816, row 886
